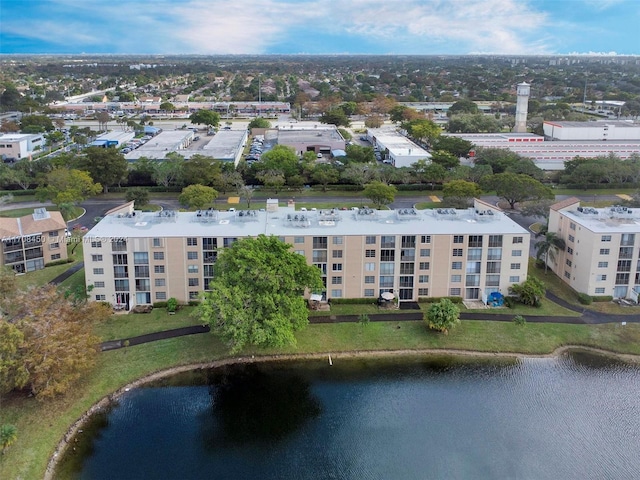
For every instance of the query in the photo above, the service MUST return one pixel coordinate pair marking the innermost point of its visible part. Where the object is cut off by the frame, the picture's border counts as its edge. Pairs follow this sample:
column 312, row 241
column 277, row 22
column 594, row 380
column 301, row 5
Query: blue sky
column 320, row 26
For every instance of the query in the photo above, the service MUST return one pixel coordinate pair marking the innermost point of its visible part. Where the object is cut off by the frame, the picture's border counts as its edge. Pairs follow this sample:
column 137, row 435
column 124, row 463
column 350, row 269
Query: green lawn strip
column 74, row 282
column 45, row 275
column 131, row 325
column 547, row 308
column 42, row 424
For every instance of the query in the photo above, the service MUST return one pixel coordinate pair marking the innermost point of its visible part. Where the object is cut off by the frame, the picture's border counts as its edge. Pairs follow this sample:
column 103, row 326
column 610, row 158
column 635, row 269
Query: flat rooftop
column 165, row 142
column 397, row 143
column 308, row 135
column 225, row 144
column 119, row 136
column 596, row 124
column 616, row 219
column 290, row 222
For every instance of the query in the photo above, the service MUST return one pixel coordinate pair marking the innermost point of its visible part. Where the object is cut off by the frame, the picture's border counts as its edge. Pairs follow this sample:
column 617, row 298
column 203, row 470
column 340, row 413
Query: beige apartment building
column 30, row 242
column 601, row 255
column 134, row 258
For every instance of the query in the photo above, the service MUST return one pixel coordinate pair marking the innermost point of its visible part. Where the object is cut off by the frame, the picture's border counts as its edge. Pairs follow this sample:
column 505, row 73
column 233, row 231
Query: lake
column 572, row 417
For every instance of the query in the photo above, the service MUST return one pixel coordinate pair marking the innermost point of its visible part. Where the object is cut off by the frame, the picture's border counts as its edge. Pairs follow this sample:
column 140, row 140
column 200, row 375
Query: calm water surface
column 574, row 417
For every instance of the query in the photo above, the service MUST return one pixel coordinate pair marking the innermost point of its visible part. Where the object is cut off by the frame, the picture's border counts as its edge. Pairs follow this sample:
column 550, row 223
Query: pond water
column 572, row 417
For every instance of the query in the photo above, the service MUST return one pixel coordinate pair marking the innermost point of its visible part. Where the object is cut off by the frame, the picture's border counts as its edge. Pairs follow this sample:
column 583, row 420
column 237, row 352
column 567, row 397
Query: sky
column 418, row 27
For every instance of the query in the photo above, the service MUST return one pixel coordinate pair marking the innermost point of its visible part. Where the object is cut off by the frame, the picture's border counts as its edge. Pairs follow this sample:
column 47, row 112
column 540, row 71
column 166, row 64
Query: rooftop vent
column 40, row 213
column 300, row 220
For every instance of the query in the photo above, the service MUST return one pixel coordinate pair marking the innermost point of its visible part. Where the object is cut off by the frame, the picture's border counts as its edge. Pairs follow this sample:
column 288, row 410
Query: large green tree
column 200, row 169
column 257, row 292
column 105, row 165
column 36, row 124
column 280, row 158
column 460, row 193
column 335, row 116
column 205, row 117
column 259, row 122
column 197, row 196
column 454, row 145
column 380, row 193
column 514, row 188
column 63, row 186
column 529, row 292
column 443, row 315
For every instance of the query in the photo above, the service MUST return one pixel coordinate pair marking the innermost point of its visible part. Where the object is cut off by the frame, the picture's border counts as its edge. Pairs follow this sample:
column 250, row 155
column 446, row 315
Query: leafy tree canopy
column 105, row 165
column 259, row 122
column 36, row 124
column 335, row 116
column 442, row 316
column 454, row 145
column 67, row 186
column 530, row 291
column 205, row 117
column 380, row 193
column 257, row 292
column 463, row 106
column 514, row 188
column 197, row 196
column 460, row 193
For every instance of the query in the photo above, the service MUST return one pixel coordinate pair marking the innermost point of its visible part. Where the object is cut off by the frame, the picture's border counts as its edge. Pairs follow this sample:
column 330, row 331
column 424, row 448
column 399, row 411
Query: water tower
column 522, row 106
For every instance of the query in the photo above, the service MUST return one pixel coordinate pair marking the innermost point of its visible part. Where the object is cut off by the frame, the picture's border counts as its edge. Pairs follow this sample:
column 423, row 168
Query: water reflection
column 250, row 405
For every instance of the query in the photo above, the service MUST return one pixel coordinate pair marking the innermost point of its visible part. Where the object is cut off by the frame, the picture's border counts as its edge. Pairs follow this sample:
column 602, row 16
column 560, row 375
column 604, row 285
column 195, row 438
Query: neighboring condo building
column 601, row 254
column 32, row 241
column 134, row 258
column 16, row 146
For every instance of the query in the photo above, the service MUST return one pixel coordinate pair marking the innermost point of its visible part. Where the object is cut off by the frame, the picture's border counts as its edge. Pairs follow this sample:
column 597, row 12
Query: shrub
column 160, row 305
column 363, row 319
column 602, row 298
column 456, row 300
column 352, row 301
column 172, row 305
column 584, row 299
column 510, row 301
column 59, row 262
column 519, row 320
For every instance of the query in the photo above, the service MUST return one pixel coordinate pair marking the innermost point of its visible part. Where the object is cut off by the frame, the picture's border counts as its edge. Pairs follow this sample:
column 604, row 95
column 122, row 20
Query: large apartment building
column 31, row 241
column 601, row 255
column 134, row 258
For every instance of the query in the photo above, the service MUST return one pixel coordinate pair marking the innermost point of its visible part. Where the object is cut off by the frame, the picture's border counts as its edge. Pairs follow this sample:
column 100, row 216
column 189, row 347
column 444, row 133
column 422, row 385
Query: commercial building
column 315, row 139
column 609, row 130
column 397, row 149
column 226, row 145
column 15, row 146
column 165, row 142
column 32, row 241
column 134, row 258
column 113, row 139
column 601, row 254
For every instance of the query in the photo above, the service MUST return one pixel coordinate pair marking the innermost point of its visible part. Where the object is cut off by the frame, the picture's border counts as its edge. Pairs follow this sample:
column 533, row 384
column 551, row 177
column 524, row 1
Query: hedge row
column 18, row 192
column 602, row 298
column 59, row 262
column 457, row 300
column 353, row 301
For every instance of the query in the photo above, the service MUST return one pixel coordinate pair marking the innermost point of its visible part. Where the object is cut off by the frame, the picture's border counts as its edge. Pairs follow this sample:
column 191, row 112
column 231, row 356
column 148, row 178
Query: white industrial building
column 165, row 142
column 397, row 148
column 113, row 139
column 598, row 131
column 20, row 145
column 226, row 145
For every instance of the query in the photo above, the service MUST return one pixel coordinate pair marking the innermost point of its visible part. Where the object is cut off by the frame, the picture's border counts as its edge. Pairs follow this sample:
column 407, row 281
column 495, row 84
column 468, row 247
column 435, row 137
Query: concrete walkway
column 67, row 273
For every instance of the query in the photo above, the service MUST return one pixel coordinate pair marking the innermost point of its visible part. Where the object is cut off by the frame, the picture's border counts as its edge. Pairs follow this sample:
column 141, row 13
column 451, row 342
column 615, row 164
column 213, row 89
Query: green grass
column 131, row 325
column 41, row 425
column 74, row 282
column 45, row 275
column 547, row 308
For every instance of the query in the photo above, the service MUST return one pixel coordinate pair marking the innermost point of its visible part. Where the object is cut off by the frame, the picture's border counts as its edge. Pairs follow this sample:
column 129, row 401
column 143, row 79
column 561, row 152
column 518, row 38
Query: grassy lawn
column 547, row 307
column 130, row 325
column 41, row 425
column 41, row 277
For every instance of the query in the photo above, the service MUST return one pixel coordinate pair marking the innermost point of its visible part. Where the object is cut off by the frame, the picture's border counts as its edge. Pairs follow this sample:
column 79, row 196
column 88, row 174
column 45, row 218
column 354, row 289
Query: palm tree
column 548, row 247
column 8, row 435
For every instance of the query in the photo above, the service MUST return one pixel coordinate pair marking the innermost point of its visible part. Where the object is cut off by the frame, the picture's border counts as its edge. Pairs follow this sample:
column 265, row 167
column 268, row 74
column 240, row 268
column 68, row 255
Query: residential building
column 32, row 241
column 134, row 258
column 601, row 255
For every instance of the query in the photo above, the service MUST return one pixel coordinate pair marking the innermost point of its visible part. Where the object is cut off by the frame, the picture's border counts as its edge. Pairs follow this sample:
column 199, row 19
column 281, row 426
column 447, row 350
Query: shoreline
column 74, row 428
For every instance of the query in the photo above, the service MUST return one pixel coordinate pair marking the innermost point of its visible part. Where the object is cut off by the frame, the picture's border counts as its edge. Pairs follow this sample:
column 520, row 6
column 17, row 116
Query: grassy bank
column 41, row 425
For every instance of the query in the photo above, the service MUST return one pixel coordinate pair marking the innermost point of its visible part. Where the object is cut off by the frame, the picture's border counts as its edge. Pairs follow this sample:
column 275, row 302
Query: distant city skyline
column 412, row 27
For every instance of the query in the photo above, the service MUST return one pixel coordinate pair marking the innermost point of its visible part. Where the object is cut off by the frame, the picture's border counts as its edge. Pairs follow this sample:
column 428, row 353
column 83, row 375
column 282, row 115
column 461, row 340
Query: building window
column 192, row 255
column 299, row 252
column 624, row 265
column 388, row 241
column 601, row 278
column 386, row 281
column 458, row 239
column 336, row 267
column 119, row 245
column 336, row 293
column 192, row 268
column 572, row 238
column 423, row 278
column 369, row 292
column 424, row 266
column 627, row 239
column 603, row 264
column 475, row 241
column 516, row 253
column 568, row 262
column 98, row 284
column 96, row 258
column 493, row 267
column 336, row 280
column 157, row 242
column 370, row 253
column 161, row 295
column 474, row 267
column 622, row 279
column 140, row 258
column 600, row 290
column 194, row 295
column 514, row 279
column 492, row 281
column 143, row 285
column 95, row 244
column 387, row 268
column 98, row 271
column 370, row 267
column 53, row 233
column 517, row 240
column 407, row 268
column 55, row 256
column 319, row 256
column 495, row 241
column 227, row 242
column 515, row 266
column 572, row 226
column 54, row 246
column 425, row 252
column 158, row 269
column 120, row 271
column 456, row 265
column 570, row 250
column 456, row 278
column 192, row 242
column 298, row 239
column 193, row 282
column 605, row 238
column 625, row 252
column 408, row 241
column 142, row 271
column 337, row 240
column 604, row 251
column 320, row 242
column 101, row 298
column 158, row 255
column 425, row 239
column 370, row 239
column 369, row 279
column 476, row 253
column 160, row 282
column 423, row 292
column 209, row 243
column 457, row 252
column 454, row 292
column 387, row 255
column 567, row 275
